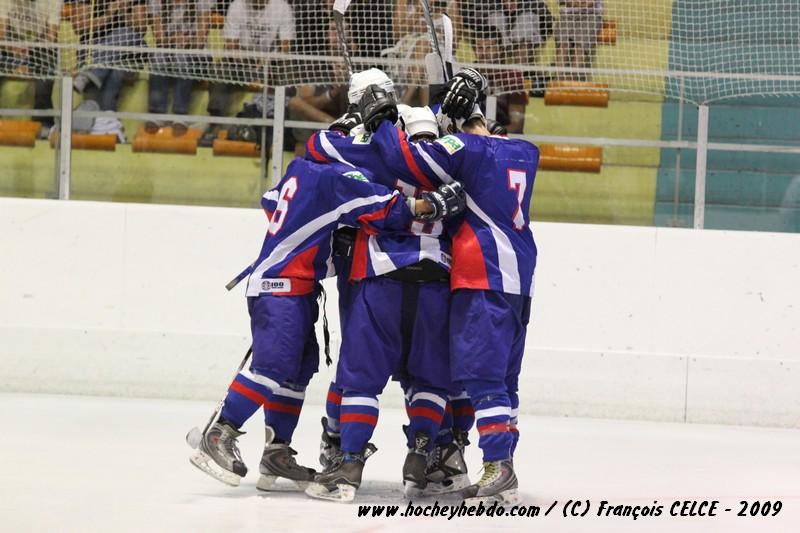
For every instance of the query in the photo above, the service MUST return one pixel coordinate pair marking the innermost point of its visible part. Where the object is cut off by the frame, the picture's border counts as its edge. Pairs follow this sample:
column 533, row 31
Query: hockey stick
column 339, row 8
column 243, row 274
column 434, row 39
column 194, row 436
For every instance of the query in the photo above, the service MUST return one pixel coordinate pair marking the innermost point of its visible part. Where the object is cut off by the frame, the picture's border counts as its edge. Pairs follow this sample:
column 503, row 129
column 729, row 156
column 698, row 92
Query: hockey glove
column 495, row 128
column 375, row 106
column 462, row 93
column 346, row 122
column 448, row 200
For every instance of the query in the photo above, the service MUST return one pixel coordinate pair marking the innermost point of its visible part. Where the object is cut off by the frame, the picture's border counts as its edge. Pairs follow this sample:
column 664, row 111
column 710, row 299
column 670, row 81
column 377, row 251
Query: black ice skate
column 447, row 470
column 414, row 480
column 329, row 447
column 278, row 462
column 499, row 483
column 340, row 481
column 218, row 454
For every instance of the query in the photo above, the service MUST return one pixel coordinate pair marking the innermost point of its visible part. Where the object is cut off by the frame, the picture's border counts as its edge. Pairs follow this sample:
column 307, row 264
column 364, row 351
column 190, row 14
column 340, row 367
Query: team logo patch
column 362, row 138
column 451, row 143
column 356, row 175
column 276, row 285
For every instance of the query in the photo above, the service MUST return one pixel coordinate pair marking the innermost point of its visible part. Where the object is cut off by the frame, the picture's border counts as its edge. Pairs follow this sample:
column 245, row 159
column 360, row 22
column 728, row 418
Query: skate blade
column 452, row 484
column 508, row 497
column 205, row 463
column 411, row 490
column 269, row 483
column 343, row 493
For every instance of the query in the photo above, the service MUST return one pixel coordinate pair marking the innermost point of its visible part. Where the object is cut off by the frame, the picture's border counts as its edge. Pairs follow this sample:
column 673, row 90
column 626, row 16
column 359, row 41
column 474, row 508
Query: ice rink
column 105, row 464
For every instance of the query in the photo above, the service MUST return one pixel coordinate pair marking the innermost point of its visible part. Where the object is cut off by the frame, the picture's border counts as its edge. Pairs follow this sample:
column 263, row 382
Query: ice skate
column 277, row 462
column 414, row 480
column 499, row 483
column 218, row 454
column 340, row 481
column 447, row 470
column 329, row 447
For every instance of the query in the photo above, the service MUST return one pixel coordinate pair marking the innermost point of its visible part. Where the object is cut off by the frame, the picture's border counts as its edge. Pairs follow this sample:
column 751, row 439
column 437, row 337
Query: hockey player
column 401, row 306
column 303, row 211
column 494, row 256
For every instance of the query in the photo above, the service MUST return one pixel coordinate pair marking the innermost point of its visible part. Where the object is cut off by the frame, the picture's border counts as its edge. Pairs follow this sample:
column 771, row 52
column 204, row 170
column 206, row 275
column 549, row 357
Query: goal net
column 695, row 50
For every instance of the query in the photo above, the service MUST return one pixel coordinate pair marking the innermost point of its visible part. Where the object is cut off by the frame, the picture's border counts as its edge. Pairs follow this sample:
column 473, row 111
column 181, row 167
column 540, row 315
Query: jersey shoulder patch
column 356, row 175
column 362, row 138
column 451, row 143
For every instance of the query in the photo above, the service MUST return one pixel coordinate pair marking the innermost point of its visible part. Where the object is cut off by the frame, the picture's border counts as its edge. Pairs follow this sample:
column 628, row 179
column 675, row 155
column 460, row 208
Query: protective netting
column 697, row 50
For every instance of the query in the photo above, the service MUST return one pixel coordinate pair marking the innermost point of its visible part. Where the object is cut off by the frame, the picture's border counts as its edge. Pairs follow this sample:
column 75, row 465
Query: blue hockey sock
column 463, row 413
column 282, row 411
column 445, row 435
column 425, row 411
column 359, row 416
column 492, row 414
column 514, row 420
column 244, row 398
column 333, row 406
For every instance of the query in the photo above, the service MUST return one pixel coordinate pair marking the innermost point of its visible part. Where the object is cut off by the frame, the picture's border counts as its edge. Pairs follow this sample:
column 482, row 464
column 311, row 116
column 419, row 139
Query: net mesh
column 696, row 50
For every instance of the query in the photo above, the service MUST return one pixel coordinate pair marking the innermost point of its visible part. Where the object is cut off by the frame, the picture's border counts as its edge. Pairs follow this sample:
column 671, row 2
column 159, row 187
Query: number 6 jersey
column 304, row 209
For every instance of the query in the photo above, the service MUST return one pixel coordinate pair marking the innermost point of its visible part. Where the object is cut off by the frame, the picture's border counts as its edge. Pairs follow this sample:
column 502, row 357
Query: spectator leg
column 181, row 96
column 109, row 94
column 43, row 99
column 157, row 90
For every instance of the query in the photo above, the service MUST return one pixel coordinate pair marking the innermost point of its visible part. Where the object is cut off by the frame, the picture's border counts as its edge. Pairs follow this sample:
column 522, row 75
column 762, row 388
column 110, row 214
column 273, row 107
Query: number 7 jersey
column 493, row 247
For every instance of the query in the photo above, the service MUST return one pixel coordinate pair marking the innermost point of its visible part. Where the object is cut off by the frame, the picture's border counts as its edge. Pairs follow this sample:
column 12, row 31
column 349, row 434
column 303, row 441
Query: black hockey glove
column 462, row 93
column 495, row 128
column 375, row 106
column 346, row 122
column 448, row 200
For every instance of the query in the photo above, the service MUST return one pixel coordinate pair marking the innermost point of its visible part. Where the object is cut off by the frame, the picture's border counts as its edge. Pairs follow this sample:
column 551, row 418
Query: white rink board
column 628, row 322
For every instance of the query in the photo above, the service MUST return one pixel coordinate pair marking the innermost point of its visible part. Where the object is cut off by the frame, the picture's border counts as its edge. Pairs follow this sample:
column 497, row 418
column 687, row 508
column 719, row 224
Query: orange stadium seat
column 19, row 132
column 582, row 93
column 571, row 158
column 163, row 141
column 222, row 146
column 88, row 141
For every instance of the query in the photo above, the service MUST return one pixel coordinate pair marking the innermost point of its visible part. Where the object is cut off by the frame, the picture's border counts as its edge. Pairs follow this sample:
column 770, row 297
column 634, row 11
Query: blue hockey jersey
column 304, row 209
column 379, row 254
column 493, row 246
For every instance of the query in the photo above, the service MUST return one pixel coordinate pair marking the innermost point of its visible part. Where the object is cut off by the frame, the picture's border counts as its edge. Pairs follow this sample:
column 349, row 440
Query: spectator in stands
column 176, row 24
column 317, row 103
column 576, row 35
column 32, row 21
column 252, row 26
column 510, row 84
column 108, row 23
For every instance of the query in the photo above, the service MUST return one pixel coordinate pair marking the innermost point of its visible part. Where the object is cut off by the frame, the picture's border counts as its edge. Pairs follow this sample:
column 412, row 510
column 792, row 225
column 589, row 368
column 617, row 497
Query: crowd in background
column 497, row 32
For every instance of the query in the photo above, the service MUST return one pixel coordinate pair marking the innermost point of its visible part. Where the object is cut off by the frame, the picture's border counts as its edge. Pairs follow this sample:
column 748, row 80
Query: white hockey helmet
column 418, row 121
column 361, row 80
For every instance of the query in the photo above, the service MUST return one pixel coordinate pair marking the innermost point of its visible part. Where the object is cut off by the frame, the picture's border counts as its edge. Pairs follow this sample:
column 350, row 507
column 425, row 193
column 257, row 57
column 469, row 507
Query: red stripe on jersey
column 490, row 429
column 358, row 417
column 448, row 408
column 248, row 393
column 302, row 265
column 358, row 270
column 425, row 412
column 268, row 213
column 469, row 265
column 313, row 151
column 375, row 215
column 283, row 408
column 513, row 429
column 334, row 397
column 412, row 165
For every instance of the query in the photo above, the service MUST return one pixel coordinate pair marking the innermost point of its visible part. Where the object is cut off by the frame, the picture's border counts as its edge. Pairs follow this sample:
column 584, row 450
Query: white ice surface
column 105, row 464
